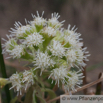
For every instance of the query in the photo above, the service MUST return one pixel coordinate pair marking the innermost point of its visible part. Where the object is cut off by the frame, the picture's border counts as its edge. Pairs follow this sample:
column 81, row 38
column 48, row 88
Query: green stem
column 4, row 75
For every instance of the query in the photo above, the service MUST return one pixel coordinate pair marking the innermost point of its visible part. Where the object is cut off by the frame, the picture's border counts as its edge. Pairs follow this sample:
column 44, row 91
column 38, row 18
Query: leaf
column 28, row 97
column 38, row 78
column 51, row 93
column 34, row 97
column 4, row 75
column 38, row 90
column 37, row 94
column 14, row 100
column 41, row 98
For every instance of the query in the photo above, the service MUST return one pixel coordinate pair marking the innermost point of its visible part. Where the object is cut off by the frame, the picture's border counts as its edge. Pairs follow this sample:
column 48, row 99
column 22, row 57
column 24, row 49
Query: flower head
column 72, row 41
column 38, row 20
column 17, row 52
column 49, row 31
column 76, row 57
column 43, row 61
column 28, row 78
column 33, row 40
column 20, row 31
column 53, row 22
column 15, row 79
column 72, row 37
column 74, row 80
column 71, row 57
column 57, row 49
column 8, row 45
column 73, row 32
column 82, row 55
column 59, row 74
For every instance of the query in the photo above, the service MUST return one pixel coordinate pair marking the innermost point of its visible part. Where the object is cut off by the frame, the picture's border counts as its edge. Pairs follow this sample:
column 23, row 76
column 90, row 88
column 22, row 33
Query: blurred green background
column 87, row 15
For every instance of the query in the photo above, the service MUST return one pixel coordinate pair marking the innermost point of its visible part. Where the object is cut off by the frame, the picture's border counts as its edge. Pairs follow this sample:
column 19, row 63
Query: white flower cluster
column 21, row 82
column 49, row 47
